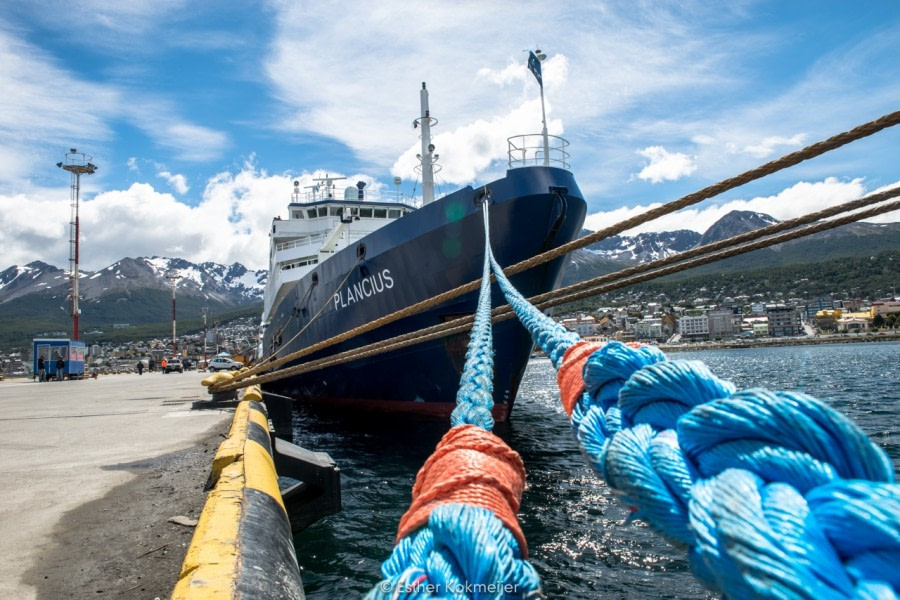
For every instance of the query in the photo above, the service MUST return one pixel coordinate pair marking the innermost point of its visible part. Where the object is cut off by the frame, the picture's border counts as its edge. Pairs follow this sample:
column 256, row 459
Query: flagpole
column 544, row 132
column 534, row 65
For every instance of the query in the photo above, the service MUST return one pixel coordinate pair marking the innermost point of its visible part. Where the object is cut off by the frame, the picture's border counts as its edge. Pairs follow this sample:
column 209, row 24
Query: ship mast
column 427, row 156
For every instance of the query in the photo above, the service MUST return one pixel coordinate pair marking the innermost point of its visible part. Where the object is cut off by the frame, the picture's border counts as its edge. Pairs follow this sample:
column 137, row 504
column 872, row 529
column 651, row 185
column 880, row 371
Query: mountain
column 227, row 285
column 735, row 223
column 855, row 240
column 131, row 293
column 36, row 276
column 644, row 247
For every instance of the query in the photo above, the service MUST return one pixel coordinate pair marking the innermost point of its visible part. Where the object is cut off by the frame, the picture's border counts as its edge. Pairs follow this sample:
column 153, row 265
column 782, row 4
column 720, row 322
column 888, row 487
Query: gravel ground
column 123, row 545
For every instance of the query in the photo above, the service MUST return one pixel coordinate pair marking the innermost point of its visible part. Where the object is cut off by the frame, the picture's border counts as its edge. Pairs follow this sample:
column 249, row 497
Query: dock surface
column 66, row 447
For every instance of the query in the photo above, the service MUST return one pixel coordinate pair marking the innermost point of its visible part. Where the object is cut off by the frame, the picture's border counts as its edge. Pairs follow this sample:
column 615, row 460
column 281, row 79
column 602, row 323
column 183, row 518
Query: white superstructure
column 321, row 221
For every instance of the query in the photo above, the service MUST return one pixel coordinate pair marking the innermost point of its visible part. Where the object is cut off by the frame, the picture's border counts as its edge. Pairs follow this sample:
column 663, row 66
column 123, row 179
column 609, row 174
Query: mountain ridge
column 229, row 285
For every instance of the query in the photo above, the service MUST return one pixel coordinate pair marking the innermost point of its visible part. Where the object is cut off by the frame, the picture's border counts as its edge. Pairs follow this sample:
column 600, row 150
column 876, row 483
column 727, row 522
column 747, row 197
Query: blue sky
column 200, row 114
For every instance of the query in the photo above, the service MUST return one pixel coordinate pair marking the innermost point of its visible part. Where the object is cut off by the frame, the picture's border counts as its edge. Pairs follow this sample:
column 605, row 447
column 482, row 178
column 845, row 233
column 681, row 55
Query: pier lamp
column 78, row 164
column 205, row 310
column 173, row 277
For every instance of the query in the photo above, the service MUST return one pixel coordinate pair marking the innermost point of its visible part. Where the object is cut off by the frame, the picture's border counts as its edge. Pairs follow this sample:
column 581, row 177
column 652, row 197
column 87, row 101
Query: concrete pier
column 68, row 445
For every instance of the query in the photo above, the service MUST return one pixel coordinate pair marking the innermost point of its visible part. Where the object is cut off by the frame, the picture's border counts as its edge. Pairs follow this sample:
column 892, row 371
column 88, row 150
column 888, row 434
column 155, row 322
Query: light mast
column 427, row 156
column 77, row 163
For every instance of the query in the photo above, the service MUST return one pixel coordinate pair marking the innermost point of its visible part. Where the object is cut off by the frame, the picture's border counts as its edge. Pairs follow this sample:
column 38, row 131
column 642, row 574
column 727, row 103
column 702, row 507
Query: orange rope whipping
column 569, row 376
column 469, row 466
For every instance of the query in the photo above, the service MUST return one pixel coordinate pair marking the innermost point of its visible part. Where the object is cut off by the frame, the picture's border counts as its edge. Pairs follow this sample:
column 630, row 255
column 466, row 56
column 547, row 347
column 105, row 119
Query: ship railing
column 529, row 150
column 303, row 241
column 351, row 195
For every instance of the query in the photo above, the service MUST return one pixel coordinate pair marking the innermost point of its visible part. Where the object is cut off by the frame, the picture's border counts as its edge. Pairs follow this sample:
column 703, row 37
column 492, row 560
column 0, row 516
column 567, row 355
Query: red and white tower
column 78, row 164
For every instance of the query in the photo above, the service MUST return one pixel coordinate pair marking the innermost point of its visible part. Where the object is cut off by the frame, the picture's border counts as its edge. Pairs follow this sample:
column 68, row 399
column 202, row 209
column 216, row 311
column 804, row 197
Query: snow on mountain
column 735, row 223
column 644, row 247
column 229, row 284
column 35, row 276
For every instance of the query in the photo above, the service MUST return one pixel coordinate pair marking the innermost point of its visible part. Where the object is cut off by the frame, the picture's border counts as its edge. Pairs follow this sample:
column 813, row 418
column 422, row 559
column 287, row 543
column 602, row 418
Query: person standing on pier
column 42, row 369
column 60, row 367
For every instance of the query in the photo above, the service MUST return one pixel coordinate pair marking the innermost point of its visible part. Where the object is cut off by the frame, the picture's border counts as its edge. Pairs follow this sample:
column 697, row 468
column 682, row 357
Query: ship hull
column 435, row 249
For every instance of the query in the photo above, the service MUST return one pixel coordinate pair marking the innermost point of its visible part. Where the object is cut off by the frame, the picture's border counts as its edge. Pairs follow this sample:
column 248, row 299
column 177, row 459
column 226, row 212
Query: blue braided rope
column 550, row 336
column 475, row 397
column 433, row 563
column 464, row 551
column 773, row 494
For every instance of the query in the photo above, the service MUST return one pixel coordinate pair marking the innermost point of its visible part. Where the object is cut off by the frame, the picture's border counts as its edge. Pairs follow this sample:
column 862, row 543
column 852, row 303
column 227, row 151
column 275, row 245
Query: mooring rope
column 564, row 296
column 708, row 249
column 788, row 160
column 598, row 285
column 773, row 494
column 460, row 537
column 784, row 162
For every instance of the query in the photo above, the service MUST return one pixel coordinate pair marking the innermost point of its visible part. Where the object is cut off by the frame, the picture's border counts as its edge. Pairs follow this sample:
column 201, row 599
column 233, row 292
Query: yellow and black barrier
column 242, row 547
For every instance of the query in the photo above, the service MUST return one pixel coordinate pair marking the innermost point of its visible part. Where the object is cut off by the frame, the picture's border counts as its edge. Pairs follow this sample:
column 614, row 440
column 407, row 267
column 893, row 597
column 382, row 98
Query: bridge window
column 380, row 213
column 366, row 213
column 311, row 213
column 394, row 213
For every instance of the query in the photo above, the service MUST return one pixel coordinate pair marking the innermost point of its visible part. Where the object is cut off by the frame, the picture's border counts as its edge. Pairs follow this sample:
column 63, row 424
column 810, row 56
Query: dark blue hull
column 435, row 249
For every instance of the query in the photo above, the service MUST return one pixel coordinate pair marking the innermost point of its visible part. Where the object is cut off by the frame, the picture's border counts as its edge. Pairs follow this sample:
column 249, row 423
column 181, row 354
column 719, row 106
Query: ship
column 345, row 257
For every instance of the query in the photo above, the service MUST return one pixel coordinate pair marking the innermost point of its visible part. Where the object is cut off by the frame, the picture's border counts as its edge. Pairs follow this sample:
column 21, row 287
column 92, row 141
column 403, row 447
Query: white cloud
column 767, row 146
column 665, row 165
column 230, row 223
column 177, row 182
column 800, row 199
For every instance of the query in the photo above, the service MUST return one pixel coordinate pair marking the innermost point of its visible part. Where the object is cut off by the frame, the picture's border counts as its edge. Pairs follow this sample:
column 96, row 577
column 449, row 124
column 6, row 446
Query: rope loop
column 464, row 552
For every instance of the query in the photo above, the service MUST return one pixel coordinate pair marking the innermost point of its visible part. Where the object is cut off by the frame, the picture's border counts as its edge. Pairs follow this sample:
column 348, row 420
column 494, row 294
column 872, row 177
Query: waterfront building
column 721, row 323
column 649, row 329
column 783, row 320
column 693, row 327
column 883, row 307
column 854, row 322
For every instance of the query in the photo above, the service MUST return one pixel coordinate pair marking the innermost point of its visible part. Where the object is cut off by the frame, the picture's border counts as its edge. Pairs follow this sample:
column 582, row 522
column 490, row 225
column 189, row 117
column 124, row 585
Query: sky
column 200, row 114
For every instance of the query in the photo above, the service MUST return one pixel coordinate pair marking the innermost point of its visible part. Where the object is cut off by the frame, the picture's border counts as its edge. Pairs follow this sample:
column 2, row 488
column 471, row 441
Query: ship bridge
column 322, row 221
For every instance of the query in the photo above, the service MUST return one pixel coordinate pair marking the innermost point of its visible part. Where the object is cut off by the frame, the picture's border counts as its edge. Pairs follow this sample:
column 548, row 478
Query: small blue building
column 71, row 352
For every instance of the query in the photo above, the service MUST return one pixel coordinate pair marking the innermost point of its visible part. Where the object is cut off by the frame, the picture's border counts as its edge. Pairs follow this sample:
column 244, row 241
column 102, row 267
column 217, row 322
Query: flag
column 534, row 65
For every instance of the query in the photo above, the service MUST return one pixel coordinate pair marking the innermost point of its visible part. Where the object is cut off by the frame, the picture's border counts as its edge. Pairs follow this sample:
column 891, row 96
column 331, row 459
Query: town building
column 721, row 324
column 649, row 329
column 783, row 320
column 693, row 327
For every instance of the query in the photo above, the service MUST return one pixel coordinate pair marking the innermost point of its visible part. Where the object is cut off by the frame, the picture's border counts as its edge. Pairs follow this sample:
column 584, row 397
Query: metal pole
column 76, row 163
column 76, row 311
column 174, row 278
column 205, row 332
column 544, row 132
column 174, row 340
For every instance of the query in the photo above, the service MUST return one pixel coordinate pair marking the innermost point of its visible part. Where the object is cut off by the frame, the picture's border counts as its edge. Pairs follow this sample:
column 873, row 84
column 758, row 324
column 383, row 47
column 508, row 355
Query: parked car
column 221, row 363
column 174, row 364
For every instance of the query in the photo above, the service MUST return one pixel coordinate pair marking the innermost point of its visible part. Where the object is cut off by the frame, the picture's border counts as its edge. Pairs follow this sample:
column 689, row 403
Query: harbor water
column 580, row 540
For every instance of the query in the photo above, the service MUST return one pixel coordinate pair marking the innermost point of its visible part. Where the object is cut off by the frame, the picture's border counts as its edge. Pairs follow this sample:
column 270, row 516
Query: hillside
column 856, row 240
column 136, row 293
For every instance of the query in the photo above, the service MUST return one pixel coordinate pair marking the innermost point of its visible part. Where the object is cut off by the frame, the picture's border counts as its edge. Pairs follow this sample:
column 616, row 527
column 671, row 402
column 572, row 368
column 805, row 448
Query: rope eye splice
column 773, row 494
column 460, row 537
